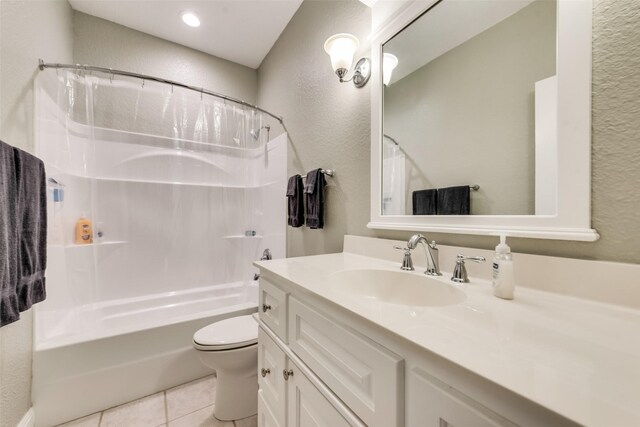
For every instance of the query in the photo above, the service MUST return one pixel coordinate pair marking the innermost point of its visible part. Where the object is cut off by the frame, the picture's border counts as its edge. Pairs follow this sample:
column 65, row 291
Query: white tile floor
column 188, row 405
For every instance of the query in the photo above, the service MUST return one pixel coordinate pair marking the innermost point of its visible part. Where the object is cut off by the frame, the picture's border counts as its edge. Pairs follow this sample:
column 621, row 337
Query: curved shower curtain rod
column 42, row 65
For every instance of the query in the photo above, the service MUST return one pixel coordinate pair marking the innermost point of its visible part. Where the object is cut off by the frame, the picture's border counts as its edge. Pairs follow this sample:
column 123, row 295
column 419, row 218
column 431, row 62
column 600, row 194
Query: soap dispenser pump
column 503, row 277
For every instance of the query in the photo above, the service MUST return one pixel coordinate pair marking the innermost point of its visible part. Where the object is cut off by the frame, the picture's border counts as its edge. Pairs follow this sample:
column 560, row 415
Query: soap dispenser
column 503, row 277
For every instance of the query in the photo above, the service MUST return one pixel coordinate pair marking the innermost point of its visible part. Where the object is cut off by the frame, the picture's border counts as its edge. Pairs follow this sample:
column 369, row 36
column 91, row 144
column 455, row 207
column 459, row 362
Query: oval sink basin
column 396, row 287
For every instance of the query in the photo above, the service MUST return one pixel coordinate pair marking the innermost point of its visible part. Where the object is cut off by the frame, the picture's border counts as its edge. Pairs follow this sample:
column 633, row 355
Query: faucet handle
column 407, row 262
column 464, row 258
column 460, row 270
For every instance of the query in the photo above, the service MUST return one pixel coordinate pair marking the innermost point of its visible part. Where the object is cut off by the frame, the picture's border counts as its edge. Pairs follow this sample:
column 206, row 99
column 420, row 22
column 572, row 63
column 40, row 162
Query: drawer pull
column 264, row 372
column 265, row 307
column 286, row 374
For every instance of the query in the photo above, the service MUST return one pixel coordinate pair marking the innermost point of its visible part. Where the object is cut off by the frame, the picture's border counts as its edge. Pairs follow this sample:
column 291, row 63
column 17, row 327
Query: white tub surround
column 179, row 191
column 541, row 359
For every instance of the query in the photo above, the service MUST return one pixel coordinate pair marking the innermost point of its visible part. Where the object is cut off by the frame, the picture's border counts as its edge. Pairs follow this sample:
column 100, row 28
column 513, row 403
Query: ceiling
column 433, row 34
column 242, row 31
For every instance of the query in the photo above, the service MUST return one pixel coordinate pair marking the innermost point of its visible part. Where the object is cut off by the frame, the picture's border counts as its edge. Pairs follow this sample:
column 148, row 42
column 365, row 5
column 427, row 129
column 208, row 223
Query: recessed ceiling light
column 191, row 19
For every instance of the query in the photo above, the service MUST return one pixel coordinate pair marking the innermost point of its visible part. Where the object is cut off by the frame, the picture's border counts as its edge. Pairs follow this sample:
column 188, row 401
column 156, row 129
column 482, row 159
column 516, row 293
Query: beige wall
column 439, row 113
column 329, row 127
column 28, row 30
column 328, row 122
column 103, row 43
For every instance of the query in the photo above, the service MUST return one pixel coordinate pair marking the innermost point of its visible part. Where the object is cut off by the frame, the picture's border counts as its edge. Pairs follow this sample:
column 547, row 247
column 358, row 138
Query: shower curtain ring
column 142, row 83
column 201, row 90
column 111, row 75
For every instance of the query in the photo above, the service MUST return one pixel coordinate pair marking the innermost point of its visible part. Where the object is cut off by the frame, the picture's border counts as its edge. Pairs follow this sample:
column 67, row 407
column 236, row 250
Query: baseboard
column 29, row 419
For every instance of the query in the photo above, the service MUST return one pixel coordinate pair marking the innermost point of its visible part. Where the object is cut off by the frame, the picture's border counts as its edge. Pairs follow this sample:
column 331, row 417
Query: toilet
column 230, row 347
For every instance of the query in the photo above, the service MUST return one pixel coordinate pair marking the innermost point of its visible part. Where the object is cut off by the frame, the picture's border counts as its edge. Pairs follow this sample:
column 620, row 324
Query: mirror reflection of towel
column 424, row 202
column 314, row 195
column 454, row 200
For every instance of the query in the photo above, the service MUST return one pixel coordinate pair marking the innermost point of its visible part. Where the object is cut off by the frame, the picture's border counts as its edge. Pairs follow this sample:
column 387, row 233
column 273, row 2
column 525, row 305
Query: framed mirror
column 481, row 119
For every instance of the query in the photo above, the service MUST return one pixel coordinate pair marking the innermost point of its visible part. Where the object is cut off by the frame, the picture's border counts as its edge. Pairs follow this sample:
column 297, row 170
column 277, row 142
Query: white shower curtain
column 178, row 190
column 393, row 179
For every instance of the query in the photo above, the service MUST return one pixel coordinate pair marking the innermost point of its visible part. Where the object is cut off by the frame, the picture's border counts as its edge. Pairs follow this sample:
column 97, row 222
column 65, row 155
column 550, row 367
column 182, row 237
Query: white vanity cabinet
column 348, row 372
column 288, row 397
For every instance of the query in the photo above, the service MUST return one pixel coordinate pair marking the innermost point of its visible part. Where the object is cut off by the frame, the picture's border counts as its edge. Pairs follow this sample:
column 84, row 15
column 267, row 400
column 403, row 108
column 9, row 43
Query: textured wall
column 106, row 44
column 328, row 122
column 329, row 127
column 28, row 30
column 439, row 113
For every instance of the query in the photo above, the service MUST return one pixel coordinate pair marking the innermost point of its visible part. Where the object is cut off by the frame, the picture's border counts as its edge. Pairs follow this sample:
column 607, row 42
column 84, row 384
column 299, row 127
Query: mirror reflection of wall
column 471, row 102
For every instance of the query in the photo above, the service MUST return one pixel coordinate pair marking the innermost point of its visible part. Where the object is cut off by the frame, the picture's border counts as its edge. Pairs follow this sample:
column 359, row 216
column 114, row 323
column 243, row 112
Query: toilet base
column 236, row 395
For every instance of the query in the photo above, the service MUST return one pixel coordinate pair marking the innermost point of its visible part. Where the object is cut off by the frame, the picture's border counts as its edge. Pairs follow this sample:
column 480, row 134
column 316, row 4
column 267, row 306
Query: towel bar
column 328, row 172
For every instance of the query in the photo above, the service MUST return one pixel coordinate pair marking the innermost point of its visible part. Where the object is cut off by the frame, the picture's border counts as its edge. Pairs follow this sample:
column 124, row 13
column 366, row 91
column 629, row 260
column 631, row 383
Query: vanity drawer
column 273, row 308
column 364, row 375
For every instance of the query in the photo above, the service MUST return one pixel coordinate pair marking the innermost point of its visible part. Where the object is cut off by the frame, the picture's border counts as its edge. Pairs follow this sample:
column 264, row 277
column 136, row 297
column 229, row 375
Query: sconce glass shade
column 389, row 62
column 341, row 48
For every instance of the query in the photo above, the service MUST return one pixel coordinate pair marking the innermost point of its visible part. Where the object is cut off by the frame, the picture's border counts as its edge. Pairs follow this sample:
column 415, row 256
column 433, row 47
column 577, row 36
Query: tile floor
column 187, row 405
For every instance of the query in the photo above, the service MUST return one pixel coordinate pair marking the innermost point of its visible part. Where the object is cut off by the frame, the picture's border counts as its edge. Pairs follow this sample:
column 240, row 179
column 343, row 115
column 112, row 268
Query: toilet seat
column 227, row 334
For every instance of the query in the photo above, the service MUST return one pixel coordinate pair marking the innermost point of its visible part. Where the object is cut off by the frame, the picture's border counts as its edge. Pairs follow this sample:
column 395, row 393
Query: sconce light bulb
column 389, row 63
column 341, row 48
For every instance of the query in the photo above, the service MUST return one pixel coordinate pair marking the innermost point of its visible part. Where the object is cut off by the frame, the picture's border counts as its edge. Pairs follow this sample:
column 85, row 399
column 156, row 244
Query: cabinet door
column 432, row 403
column 307, row 407
column 271, row 363
column 266, row 418
column 273, row 308
column 364, row 375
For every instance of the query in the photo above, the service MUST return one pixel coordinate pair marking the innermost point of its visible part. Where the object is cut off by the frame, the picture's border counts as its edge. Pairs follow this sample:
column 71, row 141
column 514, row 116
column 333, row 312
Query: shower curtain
column 177, row 188
column 393, row 179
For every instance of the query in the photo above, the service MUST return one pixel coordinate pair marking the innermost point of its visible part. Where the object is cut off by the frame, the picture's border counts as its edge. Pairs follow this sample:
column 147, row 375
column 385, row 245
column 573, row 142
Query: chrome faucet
column 430, row 250
column 460, row 271
column 266, row 256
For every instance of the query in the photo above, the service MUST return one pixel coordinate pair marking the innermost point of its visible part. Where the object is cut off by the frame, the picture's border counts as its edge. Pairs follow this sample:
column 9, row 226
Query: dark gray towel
column 9, row 270
column 454, row 200
column 23, row 223
column 314, row 196
column 425, row 202
column 295, row 202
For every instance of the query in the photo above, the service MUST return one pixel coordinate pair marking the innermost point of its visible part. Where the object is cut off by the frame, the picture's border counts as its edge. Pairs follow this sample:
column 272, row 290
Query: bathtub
column 96, row 356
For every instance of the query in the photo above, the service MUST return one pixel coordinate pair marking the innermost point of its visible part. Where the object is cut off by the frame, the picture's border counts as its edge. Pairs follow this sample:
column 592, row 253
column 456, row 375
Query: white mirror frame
column 573, row 216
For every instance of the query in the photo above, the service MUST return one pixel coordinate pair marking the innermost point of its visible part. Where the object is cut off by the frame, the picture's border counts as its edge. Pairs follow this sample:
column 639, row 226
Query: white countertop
column 578, row 358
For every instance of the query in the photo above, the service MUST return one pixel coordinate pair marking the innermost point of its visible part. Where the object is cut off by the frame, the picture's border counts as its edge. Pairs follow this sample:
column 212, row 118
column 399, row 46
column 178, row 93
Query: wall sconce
column 341, row 48
column 389, row 62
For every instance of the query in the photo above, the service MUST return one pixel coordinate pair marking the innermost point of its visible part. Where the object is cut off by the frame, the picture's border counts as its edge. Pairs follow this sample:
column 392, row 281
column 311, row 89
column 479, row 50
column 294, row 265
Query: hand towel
column 454, row 200
column 23, row 224
column 9, row 270
column 295, row 202
column 425, row 202
column 314, row 196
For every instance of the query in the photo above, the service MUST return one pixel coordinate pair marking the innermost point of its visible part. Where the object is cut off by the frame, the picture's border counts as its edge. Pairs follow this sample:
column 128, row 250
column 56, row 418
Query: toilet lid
column 234, row 332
